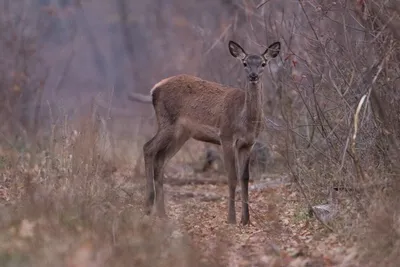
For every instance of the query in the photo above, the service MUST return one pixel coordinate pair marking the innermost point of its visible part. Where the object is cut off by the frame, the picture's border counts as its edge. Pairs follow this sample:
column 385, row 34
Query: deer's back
column 190, row 98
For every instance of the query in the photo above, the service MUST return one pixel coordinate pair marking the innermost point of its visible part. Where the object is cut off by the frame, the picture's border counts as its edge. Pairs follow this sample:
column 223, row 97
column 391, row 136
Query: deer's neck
column 252, row 109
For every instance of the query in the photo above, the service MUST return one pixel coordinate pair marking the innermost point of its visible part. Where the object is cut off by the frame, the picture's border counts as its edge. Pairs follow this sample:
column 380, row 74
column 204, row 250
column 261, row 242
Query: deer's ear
column 236, row 50
column 272, row 50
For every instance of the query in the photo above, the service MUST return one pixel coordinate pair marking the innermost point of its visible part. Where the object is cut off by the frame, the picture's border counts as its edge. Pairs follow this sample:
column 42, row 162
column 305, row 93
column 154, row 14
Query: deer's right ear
column 236, row 50
column 272, row 51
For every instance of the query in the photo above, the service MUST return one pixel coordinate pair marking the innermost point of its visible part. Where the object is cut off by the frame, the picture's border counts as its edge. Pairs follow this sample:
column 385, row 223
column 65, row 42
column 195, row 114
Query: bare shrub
column 350, row 52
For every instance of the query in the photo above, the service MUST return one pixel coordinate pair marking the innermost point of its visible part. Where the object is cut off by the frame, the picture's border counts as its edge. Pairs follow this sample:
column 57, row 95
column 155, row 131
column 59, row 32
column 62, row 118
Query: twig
column 130, row 194
column 353, row 144
column 262, row 3
column 110, row 103
column 218, row 39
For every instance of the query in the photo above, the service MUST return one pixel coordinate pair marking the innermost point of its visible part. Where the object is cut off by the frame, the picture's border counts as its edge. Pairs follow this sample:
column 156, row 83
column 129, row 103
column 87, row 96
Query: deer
column 187, row 107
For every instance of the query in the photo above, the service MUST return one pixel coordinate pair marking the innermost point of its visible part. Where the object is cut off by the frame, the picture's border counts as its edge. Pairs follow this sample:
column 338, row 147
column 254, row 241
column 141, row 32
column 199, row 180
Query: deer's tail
column 140, row 97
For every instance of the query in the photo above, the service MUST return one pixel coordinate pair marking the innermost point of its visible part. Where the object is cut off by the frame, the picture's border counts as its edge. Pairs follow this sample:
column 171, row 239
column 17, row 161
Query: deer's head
column 254, row 64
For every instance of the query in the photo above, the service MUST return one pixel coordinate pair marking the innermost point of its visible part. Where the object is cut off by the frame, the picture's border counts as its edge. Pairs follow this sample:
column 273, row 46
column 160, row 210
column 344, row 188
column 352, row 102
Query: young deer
column 189, row 107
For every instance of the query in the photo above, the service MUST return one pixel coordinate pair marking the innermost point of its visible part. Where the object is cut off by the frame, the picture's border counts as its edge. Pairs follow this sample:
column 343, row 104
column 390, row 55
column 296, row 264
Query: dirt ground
column 282, row 232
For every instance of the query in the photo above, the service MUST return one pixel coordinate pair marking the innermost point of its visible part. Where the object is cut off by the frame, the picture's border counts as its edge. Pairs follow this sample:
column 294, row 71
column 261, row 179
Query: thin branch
column 262, row 3
column 218, row 39
column 353, row 144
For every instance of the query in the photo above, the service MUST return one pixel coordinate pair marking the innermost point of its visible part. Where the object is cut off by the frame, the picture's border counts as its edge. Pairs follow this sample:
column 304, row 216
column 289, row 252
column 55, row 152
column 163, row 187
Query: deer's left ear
column 272, row 50
column 236, row 50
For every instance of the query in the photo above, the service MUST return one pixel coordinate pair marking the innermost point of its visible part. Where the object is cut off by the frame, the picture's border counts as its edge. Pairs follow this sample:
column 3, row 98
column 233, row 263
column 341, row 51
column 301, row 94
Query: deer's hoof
column 231, row 220
column 147, row 210
column 161, row 214
column 245, row 222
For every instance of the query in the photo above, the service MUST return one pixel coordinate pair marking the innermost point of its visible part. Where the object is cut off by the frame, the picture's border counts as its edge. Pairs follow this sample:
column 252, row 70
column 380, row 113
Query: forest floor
column 61, row 219
column 282, row 232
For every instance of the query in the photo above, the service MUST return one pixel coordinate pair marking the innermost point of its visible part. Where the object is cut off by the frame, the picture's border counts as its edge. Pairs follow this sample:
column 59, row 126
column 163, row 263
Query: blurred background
column 58, row 55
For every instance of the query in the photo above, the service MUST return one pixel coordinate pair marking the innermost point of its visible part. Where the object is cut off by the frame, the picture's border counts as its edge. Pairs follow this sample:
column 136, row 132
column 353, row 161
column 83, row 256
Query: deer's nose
column 253, row 76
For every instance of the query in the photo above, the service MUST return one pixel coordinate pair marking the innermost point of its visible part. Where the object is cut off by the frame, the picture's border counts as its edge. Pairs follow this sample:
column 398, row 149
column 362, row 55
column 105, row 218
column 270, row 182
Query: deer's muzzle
column 253, row 77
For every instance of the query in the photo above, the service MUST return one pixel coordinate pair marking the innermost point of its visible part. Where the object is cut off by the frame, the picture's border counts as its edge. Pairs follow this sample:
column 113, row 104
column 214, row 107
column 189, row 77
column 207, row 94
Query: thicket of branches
column 342, row 124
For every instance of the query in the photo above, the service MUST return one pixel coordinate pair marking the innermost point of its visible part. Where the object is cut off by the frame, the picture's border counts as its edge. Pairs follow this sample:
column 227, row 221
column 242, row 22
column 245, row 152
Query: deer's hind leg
column 149, row 152
column 162, row 147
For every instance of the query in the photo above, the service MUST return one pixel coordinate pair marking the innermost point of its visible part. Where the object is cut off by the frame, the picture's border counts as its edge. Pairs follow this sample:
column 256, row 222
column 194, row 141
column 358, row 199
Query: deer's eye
column 245, row 64
column 263, row 64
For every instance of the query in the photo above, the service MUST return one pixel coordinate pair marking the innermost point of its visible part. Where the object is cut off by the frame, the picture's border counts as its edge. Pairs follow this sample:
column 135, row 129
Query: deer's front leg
column 229, row 163
column 243, row 172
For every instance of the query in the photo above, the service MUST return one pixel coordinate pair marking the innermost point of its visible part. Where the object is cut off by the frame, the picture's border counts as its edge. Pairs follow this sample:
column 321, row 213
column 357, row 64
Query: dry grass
column 76, row 209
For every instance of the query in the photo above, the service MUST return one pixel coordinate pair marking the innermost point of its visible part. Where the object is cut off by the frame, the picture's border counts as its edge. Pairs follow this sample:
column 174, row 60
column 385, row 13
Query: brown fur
column 201, row 119
column 190, row 107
